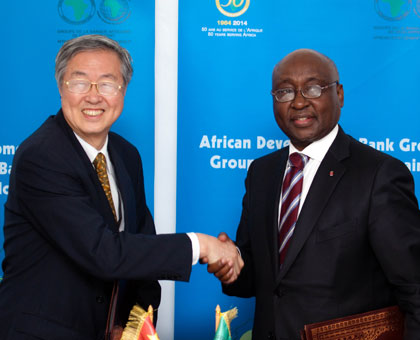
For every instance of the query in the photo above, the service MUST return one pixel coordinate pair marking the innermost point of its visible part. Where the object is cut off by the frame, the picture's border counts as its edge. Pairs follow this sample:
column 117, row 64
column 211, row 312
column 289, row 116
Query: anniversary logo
column 233, row 8
column 406, row 12
column 232, row 25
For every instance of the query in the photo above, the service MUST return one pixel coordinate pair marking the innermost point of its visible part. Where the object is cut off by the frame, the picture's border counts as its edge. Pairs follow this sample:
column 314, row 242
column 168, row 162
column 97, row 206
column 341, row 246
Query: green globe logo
column 114, row 11
column 417, row 8
column 76, row 11
column 393, row 10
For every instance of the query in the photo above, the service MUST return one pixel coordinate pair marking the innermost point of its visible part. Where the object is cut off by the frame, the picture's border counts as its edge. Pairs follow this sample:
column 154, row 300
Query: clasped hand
column 222, row 257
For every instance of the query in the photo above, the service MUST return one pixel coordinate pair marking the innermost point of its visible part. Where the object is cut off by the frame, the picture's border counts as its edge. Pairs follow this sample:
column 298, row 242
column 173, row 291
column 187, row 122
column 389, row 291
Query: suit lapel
column 318, row 196
column 84, row 166
column 124, row 185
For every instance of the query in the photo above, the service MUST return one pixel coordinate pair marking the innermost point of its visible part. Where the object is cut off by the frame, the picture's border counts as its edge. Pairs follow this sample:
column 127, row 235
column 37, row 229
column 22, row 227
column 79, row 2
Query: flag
column 223, row 323
column 140, row 325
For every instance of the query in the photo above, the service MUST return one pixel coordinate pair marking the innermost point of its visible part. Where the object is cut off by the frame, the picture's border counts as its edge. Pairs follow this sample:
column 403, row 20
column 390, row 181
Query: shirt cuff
column 195, row 247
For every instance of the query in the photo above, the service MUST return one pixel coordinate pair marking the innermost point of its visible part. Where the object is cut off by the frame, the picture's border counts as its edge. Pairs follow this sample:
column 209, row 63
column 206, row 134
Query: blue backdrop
column 29, row 94
column 227, row 50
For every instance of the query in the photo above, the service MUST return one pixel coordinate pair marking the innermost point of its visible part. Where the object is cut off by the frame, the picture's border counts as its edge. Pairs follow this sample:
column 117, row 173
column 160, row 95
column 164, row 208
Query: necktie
column 290, row 199
column 100, row 166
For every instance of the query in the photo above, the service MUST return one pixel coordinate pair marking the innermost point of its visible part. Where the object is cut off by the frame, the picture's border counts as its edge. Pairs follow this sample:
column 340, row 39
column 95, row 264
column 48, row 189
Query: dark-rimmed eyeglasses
column 81, row 86
column 287, row 94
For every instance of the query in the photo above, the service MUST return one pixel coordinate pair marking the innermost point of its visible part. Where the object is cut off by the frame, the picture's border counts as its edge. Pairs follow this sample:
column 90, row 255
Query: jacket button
column 270, row 336
column 281, row 293
column 100, row 299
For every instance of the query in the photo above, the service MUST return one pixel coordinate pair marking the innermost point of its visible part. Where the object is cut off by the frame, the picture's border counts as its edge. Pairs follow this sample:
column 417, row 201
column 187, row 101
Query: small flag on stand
column 223, row 323
column 140, row 325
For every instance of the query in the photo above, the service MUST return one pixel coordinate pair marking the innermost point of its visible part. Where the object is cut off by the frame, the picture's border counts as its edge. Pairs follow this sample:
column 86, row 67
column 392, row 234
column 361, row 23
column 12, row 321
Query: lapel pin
column 331, row 173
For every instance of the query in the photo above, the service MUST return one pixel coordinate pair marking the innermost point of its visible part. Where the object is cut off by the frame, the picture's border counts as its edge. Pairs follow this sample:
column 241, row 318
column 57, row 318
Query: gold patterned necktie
column 100, row 166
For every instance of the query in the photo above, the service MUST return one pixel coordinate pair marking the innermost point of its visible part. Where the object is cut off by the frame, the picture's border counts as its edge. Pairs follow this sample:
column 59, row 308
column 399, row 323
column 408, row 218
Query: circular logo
column 114, row 11
column 417, row 8
column 76, row 12
column 233, row 8
column 393, row 10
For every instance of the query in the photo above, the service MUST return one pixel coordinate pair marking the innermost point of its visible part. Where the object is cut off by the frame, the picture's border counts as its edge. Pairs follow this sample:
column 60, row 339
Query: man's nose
column 93, row 94
column 299, row 101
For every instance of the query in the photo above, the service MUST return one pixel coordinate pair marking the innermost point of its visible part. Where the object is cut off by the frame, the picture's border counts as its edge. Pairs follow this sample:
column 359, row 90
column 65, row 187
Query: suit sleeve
column 394, row 221
column 144, row 292
column 52, row 196
column 244, row 286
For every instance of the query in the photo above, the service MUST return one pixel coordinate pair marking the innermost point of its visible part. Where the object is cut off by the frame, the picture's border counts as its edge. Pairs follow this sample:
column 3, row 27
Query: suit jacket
column 62, row 247
column 356, row 245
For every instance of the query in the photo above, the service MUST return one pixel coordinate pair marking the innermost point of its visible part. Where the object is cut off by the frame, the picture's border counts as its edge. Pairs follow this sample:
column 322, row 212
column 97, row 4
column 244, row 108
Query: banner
column 227, row 51
column 35, row 33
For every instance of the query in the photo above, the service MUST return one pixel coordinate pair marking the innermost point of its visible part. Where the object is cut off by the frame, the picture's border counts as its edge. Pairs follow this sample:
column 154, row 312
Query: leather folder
column 381, row 324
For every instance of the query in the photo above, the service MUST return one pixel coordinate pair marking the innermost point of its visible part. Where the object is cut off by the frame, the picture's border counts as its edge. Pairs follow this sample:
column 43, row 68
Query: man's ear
column 340, row 94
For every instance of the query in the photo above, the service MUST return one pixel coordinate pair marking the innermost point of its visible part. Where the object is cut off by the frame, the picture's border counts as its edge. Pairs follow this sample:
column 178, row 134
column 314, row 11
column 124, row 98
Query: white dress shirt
column 316, row 152
column 92, row 152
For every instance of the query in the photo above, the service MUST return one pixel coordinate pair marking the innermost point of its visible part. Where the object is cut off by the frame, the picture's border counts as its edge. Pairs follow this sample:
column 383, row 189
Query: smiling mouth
column 302, row 122
column 302, row 119
column 93, row 113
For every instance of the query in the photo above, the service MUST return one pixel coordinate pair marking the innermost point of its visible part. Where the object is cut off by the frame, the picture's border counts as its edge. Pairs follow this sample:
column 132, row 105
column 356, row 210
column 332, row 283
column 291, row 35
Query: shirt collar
column 318, row 149
column 91, row 151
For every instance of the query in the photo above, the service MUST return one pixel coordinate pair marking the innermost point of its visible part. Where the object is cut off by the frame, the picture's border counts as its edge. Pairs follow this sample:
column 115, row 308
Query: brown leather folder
column 381, row 324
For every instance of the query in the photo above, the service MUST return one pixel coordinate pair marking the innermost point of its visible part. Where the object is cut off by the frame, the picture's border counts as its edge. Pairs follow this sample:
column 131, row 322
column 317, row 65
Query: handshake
column 221, row 255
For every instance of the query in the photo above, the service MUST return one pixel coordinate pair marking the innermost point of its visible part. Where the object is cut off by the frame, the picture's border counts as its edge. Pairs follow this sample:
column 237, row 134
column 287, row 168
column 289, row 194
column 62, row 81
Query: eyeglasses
column 287, row 94
column 105, row 88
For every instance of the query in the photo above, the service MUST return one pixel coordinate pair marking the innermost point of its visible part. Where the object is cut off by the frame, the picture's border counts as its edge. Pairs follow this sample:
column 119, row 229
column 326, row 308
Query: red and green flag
column 140, row 325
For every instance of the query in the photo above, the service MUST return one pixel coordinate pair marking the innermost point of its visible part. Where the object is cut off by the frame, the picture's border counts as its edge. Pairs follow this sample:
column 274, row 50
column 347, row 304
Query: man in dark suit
column 76, row 221
column 355, row 243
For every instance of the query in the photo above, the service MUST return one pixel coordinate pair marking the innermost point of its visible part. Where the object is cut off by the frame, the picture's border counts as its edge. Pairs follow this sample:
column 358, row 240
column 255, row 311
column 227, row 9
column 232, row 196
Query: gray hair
column 91, row 42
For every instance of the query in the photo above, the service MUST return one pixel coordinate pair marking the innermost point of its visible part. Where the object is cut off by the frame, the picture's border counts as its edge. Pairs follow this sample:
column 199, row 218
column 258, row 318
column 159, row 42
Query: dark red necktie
column 290, row 199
